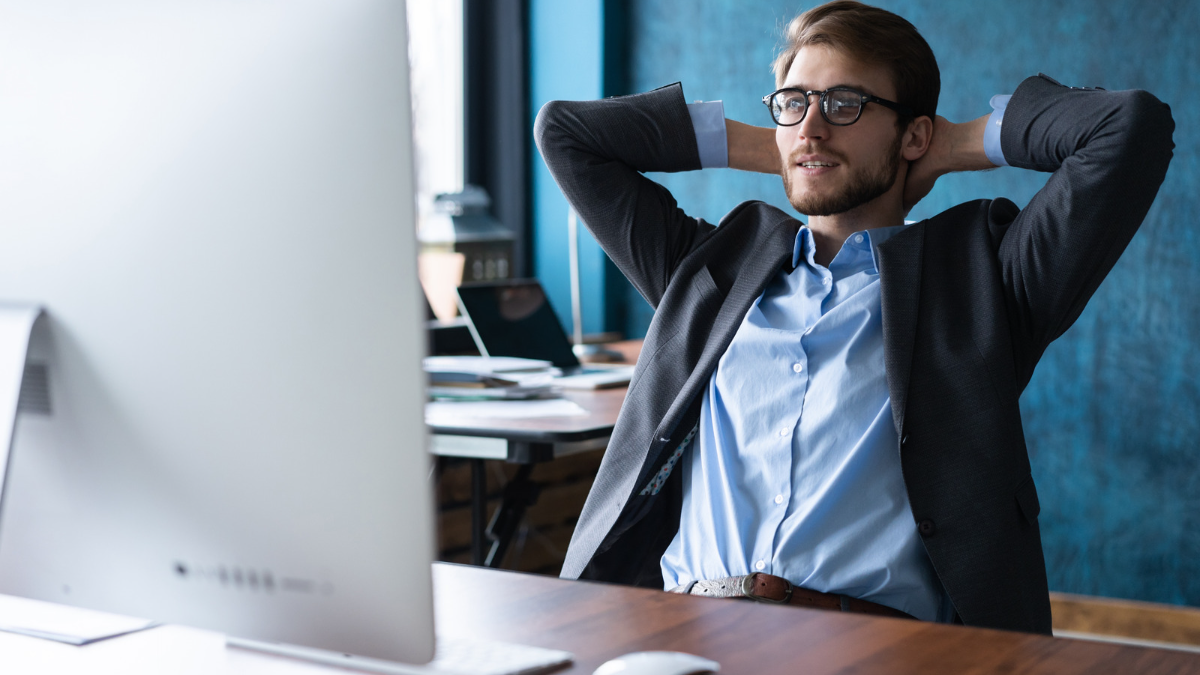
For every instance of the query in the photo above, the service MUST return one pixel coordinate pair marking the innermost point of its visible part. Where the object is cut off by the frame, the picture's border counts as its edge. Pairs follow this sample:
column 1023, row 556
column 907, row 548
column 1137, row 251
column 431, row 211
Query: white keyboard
column 470, row 656
column 454, row 656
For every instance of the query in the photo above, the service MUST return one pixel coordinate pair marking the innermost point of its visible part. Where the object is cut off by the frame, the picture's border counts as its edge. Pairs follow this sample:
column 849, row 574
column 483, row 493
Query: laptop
column 514, row 318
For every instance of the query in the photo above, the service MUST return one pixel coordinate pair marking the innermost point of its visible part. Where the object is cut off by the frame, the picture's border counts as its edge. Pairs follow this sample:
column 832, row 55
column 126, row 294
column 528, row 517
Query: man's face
column 861, row 160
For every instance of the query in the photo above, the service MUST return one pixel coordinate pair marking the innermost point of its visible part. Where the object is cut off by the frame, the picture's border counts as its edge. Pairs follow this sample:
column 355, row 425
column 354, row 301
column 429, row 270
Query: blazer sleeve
column 1108, row 152
column 597, row 151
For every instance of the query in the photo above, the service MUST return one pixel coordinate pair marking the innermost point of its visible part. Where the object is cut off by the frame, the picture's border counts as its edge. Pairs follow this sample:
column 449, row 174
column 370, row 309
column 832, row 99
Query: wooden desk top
column 598, row 622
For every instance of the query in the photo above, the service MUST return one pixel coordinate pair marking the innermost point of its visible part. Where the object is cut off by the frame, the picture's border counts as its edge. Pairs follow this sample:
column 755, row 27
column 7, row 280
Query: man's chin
column 846, row 199
column 819, row 205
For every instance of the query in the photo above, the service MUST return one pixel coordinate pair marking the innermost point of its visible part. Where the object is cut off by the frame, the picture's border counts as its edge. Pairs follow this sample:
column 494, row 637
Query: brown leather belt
column 777, row 590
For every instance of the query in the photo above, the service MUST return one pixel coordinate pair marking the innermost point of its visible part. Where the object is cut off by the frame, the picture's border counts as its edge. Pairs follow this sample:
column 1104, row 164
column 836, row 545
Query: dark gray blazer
column 971, row 298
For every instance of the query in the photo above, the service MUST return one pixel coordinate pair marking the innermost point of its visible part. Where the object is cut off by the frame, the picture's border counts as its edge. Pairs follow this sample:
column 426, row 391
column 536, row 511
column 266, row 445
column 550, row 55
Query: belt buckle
column 748, row 591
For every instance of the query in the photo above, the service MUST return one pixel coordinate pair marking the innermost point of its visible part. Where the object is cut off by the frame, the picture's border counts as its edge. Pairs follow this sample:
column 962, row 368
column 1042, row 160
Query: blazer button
column 926, row 528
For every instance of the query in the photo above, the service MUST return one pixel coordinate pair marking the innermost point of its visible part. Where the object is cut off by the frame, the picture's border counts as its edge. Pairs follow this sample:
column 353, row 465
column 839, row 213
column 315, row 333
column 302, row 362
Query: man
column 826, row 413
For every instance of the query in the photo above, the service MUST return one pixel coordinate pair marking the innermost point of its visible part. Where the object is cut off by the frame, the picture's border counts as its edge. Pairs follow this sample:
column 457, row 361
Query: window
column 435, row 52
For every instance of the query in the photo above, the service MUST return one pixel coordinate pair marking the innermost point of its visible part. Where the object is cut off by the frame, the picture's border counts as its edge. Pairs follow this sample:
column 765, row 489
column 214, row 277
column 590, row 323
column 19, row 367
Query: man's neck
column 830, row 232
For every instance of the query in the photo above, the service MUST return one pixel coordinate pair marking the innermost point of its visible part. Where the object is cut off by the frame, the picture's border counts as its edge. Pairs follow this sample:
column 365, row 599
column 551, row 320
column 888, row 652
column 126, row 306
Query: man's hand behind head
column 952, row 147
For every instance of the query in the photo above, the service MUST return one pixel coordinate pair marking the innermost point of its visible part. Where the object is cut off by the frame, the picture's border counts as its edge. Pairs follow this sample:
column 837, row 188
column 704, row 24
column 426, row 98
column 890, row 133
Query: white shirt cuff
column 708, row 121
column 991, row 135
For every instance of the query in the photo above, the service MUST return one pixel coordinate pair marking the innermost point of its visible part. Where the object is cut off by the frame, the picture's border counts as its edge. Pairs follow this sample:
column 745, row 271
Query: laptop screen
column 515, row 319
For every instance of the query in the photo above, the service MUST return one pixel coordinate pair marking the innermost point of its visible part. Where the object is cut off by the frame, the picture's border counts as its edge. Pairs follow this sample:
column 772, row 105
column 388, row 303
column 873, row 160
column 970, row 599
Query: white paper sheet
column 555, row 407
column 483, row 365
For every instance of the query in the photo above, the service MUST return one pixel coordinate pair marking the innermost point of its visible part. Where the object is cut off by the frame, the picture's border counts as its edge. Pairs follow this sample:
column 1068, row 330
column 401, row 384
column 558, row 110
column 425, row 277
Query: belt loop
column 845, row 603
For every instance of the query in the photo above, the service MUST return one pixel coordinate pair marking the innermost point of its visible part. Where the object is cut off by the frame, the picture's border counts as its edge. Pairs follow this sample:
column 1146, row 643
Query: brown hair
column 873, row 36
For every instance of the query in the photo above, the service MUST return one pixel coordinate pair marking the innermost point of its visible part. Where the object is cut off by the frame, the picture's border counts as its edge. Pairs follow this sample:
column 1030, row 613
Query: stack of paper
column 489, row 378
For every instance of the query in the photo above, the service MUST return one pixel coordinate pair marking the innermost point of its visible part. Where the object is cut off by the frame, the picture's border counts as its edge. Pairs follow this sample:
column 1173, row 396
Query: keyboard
column 471, row 656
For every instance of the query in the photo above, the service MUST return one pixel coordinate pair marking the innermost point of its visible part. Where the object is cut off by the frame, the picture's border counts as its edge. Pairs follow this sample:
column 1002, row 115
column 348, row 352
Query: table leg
column 519, row 493
column 478, row 510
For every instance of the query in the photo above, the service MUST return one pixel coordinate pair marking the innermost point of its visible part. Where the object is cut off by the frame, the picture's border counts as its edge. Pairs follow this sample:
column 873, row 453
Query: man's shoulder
column 999, row 210
column 976, row 217
column 951, row 232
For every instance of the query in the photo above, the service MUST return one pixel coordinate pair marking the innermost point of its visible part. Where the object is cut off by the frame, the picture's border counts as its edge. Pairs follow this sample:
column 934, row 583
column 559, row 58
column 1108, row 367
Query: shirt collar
column 806, row 249
column 880, row 235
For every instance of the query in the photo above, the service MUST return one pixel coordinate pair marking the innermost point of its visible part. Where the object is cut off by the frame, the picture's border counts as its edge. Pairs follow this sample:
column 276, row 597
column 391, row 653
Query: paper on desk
column 556, row 407
column 61, row 623
column 484, row 365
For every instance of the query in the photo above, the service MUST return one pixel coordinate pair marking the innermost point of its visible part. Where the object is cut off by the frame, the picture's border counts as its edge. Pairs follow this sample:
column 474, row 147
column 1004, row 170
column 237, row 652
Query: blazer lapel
column 900, row 289
column 756, row 273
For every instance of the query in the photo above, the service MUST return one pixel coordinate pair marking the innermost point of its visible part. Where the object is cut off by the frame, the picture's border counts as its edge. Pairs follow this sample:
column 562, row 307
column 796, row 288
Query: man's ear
column 917, row 138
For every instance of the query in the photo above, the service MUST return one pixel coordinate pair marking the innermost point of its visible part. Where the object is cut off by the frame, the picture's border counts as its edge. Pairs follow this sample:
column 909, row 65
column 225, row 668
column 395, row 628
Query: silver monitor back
column 213, row 202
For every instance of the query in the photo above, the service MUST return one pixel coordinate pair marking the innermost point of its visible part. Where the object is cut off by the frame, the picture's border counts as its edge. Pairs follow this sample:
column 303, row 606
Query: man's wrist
column 966, row 146
column 752, row 148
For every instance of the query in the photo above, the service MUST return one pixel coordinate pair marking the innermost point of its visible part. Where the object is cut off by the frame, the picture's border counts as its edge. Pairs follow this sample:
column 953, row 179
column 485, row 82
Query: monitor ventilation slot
column 35, row 390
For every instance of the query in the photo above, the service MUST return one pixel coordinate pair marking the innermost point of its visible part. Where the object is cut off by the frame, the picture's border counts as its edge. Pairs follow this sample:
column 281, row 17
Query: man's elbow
column 1151, row 126
column 546, row 124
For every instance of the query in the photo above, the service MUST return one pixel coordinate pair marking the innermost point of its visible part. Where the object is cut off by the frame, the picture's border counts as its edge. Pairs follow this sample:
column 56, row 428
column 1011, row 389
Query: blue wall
column 1113, row 414
column 567, row 52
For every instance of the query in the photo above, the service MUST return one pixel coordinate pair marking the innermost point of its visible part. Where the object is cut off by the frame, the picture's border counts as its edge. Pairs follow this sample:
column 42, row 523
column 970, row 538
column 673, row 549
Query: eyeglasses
column 840, row 106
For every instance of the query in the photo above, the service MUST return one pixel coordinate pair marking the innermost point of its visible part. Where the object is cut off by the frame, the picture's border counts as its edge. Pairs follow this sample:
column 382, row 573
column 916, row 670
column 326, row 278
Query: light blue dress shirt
column 796, row 465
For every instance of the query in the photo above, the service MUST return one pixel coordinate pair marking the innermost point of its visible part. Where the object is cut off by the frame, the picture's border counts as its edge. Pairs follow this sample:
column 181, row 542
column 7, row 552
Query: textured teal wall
column 1113, row 414
column 566, row 57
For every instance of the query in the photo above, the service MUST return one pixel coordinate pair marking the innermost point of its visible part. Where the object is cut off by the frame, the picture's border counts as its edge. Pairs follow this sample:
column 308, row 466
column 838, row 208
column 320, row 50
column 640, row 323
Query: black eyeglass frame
column 902, row 110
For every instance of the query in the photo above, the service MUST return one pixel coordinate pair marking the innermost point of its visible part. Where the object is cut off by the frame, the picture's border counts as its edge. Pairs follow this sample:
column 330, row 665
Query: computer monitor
column 212, row 201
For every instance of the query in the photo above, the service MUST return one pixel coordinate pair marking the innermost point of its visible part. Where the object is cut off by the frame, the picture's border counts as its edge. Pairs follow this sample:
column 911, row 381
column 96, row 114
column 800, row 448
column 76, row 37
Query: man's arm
column 752, row 148
column 596, row 151
column 1109, row 153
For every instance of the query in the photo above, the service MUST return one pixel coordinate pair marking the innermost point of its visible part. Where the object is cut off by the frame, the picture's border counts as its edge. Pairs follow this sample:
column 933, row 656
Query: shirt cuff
column 708, row 121
column 991, row 135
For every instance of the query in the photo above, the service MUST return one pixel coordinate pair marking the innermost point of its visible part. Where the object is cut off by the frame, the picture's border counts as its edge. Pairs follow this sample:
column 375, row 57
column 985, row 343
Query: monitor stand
column 16, row 327
column 18, row 615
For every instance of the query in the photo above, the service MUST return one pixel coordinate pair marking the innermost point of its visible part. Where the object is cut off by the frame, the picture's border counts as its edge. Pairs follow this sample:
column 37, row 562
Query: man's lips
column 813, row 164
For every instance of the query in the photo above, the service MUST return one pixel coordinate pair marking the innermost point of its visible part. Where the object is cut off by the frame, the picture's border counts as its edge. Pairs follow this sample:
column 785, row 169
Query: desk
column 525, row 441
column 529, row 439
column 597, row 622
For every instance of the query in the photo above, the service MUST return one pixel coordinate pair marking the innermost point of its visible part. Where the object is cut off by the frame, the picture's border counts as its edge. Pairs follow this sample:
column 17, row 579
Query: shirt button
column 798, row 367
column 760, row 565
column 778, row 499
column 858, row 238
column 783, row 432
column 825, row 281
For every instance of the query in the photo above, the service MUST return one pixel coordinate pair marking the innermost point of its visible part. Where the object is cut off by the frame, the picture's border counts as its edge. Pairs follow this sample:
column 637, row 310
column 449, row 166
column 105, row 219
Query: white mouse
column 658, row 663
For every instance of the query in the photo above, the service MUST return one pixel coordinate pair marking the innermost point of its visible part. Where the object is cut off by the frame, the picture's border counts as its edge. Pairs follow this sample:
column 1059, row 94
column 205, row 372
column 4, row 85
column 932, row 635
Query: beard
column 864, row 185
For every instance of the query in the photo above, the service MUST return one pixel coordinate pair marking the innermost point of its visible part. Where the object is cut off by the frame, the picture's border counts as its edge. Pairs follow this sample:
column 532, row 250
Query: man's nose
column 813, row 125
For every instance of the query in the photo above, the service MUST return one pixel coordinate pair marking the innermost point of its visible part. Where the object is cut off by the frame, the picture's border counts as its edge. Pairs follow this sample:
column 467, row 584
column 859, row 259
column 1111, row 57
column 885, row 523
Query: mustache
column 796, row 154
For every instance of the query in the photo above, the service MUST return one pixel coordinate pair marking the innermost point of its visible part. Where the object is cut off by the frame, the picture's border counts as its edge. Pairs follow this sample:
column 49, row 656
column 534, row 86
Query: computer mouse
column 658, row 663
